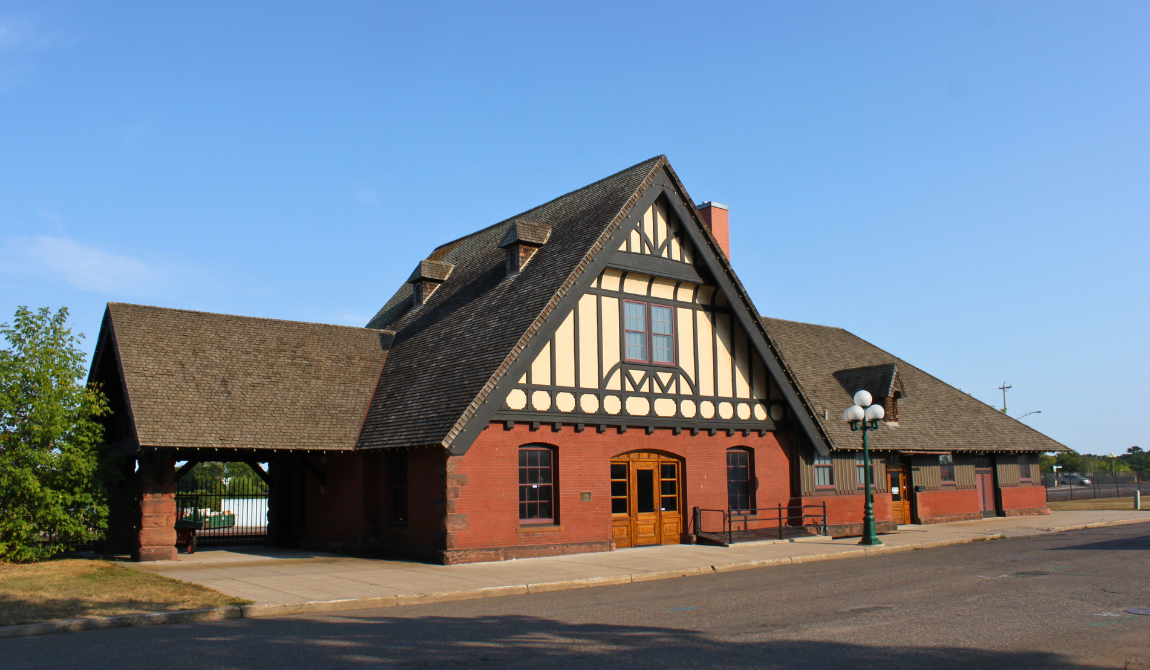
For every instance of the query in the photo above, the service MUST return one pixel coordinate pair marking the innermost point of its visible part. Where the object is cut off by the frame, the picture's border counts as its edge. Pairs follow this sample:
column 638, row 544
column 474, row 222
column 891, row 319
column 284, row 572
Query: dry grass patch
column 1099, row 503
column 72, row 588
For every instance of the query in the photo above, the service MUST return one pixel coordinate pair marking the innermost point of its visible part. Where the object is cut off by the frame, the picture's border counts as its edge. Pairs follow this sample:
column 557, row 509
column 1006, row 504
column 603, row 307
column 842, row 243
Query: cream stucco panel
column 541, row 400
column 565, row 352
column 541, row 367
column 636, row 283
column 565, row 402
column 723, row 351
column 516, row 399
column 612, row 404
column 610, row 280
column 663, row 288
column 638, row 406
column 589, row 342
column 685, row 330
column 706, row 379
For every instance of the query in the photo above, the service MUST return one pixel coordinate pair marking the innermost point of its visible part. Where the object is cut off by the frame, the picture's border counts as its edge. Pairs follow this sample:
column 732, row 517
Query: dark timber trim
column 587, row 274
column 656, row 267
column 662, row 181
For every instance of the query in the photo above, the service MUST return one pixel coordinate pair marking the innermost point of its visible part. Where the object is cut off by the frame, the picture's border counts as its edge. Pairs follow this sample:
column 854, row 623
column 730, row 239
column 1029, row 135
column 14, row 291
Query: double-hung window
column 946, row 469
column 824, row 472
column 635, row 330
column 1023, row 468
column 648, row 332
column 536, row 485
column 739, row 479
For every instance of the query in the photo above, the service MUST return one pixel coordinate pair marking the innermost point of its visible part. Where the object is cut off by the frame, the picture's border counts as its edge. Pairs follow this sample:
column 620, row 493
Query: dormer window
column 427, row 277
column 521, row 241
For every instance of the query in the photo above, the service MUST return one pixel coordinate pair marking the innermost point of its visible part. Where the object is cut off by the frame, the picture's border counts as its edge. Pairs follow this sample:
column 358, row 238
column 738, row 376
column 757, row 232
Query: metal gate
column 232, row 507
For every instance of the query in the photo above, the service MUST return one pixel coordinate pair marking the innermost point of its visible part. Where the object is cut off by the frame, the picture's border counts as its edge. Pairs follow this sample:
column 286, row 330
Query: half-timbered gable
column 653, row 341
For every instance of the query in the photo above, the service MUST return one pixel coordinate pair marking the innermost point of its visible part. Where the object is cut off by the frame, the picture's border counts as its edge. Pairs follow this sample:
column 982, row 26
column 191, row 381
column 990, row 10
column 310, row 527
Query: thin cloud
column 93, row 269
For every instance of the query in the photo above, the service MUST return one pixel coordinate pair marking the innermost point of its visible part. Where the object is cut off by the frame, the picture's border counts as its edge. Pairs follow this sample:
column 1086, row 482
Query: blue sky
column 966, row 185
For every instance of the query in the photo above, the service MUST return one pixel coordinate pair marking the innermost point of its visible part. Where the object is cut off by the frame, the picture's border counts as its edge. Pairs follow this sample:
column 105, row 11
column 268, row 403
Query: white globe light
column 863, row 399
column 855, row 413
column 875, row 412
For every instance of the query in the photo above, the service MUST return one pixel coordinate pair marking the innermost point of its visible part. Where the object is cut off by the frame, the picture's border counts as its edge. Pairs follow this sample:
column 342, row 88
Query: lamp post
column 865, row 417
column 1114, row 476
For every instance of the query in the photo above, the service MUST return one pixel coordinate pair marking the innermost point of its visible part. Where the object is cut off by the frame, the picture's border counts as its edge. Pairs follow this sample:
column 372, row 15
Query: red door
column 984, row 482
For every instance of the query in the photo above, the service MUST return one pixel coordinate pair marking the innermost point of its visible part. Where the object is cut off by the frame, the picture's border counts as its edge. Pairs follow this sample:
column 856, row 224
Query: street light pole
column 865, row 417
column 1114, row 476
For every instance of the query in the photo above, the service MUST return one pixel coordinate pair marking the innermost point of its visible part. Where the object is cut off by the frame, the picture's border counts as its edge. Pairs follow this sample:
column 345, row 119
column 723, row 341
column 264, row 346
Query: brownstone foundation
column 1032, row 511
column 156, row 539
column 950, row 518
column 856, row 529
column 458, row 556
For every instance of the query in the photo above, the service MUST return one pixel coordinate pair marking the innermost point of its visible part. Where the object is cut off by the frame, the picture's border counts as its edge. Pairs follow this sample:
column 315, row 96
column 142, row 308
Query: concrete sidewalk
column 282, row 581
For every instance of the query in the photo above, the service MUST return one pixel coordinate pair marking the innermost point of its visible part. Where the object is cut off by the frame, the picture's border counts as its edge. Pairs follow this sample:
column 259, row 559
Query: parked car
column 1073, row 479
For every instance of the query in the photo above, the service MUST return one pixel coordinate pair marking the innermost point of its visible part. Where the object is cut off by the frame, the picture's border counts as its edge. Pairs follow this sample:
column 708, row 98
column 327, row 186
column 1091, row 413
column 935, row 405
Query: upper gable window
column 635, row 330
column 649, row 340
column 662, row 334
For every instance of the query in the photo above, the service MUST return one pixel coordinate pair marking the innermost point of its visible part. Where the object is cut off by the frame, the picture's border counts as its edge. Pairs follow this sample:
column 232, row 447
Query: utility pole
column 1004, row 388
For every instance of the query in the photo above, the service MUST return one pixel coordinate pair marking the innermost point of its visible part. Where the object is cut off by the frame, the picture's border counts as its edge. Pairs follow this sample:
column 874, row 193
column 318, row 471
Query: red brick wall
column 947, row 504
column 845, row 512
column 334, row 513
column 488, row 494
column 1024, row 500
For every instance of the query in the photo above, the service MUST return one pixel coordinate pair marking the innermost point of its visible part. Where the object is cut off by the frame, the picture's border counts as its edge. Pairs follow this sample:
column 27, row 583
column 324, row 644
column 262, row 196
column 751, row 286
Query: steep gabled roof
column 195, row 379
column 454, row 351
column 448, row 350
column 932, row 415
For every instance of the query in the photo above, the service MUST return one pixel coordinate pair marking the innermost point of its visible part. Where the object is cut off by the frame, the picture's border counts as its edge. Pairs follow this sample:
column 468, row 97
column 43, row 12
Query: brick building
column 577, row 378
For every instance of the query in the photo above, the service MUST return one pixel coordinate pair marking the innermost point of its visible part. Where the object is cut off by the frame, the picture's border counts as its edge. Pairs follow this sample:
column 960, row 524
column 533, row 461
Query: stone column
column 157, row 482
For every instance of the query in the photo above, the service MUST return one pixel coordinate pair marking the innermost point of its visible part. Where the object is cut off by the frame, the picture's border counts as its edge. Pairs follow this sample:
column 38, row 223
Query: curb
column 121, row 621
column 315, row 607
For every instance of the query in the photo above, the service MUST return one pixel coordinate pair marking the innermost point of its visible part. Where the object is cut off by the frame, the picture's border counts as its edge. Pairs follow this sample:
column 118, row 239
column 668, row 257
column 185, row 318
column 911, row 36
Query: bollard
column 1137, row 500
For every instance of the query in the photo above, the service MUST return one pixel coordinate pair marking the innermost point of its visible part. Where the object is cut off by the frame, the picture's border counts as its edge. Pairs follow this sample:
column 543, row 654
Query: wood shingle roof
column 448, row 350
column 827, row 363
column 195, row 379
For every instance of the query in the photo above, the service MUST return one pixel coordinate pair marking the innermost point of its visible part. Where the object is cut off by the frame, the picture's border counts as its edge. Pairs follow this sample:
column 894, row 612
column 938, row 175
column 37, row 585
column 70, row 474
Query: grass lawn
column 71, row 588
column 1099, row 503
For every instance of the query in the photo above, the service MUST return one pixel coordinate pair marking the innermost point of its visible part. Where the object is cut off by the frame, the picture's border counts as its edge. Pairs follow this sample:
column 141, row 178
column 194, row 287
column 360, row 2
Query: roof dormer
column 521, row 242
column 427, row 277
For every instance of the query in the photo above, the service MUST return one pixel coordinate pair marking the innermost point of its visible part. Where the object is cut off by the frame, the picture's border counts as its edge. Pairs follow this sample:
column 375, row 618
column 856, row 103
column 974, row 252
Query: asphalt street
column 1049, row 601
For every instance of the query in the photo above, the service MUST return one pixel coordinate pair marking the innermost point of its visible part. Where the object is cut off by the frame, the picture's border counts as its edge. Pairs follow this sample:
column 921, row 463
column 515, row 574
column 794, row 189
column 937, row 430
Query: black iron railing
column 1090, row 485
column 230, row 511
column 771, row 523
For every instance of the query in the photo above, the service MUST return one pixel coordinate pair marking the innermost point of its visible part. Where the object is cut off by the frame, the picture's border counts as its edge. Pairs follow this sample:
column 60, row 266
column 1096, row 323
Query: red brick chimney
column 715, row 217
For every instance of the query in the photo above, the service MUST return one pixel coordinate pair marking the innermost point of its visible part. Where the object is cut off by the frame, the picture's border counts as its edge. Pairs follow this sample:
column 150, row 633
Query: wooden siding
column 925, row 472
column 964, row 471
column 807, row 469
column 844, row 466
column 1007, row 465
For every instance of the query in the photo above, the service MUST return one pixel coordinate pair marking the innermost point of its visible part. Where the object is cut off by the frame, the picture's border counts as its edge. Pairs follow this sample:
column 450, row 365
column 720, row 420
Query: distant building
column 577, row 378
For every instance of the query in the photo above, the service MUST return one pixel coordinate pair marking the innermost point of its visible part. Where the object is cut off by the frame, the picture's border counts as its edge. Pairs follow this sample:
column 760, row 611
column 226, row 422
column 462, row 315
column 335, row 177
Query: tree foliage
column 1072, row 461
column 50, row 490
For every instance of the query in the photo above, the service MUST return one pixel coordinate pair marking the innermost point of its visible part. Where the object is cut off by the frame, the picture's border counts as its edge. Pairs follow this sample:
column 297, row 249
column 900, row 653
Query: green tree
column 50, row 490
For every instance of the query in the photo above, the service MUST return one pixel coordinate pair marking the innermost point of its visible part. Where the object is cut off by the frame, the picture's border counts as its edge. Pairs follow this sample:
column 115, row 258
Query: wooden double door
column 646, row 499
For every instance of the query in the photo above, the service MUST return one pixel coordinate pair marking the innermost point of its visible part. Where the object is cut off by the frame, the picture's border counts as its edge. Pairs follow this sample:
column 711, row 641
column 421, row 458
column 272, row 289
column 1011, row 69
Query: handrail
column 792, row 514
